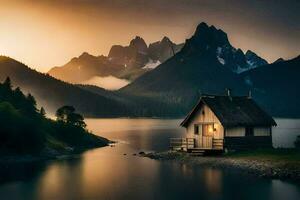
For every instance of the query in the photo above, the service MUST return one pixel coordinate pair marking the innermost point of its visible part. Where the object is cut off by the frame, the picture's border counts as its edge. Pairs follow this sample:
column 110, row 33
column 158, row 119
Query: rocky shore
column 269, row 168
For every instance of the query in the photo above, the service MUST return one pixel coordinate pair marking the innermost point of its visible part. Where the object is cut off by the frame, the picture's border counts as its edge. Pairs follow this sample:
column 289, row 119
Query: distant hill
column 84, row 67
column 52, row 93
column 123, row 62
column 139, row 105
column 276, row 86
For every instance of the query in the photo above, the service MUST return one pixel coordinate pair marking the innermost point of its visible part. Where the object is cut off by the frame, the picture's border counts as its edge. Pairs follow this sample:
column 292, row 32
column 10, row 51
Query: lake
column 106, row 173
column 286, row 132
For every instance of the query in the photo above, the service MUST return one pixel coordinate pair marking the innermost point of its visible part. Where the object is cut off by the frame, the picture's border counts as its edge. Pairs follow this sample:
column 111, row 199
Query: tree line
column 25, row 129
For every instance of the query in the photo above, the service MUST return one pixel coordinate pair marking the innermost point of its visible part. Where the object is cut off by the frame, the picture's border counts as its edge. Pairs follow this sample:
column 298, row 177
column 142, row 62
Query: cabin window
column 262, row 131
column 235, row 132
column 196, row 129
column 249, row 131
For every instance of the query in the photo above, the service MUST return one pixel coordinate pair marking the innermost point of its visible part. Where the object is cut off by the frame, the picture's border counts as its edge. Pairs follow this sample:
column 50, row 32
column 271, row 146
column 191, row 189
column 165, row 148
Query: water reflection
column 213, row 180
column 142, row 134
column 20, row 171
column 59, row 177
column 106, row 173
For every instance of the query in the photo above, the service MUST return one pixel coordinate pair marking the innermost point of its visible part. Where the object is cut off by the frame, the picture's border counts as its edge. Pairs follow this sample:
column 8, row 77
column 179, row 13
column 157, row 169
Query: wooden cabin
column 225, row 122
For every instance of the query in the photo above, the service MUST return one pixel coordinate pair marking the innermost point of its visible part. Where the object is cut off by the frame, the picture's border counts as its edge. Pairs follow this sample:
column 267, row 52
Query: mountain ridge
column 123, row 62
column 52, row 93
column 278, row 93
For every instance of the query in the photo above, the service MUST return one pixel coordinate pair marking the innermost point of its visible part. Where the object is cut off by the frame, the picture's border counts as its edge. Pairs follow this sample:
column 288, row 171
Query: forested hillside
column 24, row 129
column 52, row 93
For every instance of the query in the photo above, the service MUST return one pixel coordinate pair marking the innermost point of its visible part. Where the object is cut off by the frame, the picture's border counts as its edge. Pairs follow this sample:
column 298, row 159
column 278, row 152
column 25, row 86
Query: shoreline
column 48, row 154
column 267, row 168
column 30, row 158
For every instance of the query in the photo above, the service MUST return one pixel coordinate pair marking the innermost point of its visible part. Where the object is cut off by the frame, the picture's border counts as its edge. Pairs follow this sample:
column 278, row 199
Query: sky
column 48, row 33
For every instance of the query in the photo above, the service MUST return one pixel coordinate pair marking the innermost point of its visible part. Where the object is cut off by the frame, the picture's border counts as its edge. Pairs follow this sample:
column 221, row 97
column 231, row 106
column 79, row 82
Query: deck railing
column 207, row 142
column 182, row 143
column 218, row 143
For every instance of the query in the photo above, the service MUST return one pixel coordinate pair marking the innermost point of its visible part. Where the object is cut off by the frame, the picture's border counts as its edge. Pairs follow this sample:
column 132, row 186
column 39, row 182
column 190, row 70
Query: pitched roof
column 233, row 111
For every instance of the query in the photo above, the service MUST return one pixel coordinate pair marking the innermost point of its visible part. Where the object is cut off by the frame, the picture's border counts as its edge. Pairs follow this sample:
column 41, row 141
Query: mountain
column 235, row 59
column 139, row 55
column 133, row 56
column 276, row 87
column 123, row 62
column 163, row 50
column 253, row 60
column 193, row 70
column 52, row 93
column 84, row 67
column 279, row 60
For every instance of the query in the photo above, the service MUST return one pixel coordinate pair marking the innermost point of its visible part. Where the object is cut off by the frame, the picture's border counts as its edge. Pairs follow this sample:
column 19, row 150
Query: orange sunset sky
column 48, row 33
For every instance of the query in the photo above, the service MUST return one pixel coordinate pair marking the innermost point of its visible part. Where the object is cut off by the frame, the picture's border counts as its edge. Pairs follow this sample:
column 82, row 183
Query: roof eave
column 184, row 123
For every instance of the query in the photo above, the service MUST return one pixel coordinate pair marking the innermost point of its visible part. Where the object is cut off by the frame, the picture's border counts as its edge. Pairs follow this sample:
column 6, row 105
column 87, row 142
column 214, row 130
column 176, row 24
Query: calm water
column 106, row 173
column 286, row 132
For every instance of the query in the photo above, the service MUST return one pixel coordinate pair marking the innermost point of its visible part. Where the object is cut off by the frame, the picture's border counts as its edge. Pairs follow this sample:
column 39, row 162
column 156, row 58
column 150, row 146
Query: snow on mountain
column 221, row 60
column 152, row 64
column 236, row 60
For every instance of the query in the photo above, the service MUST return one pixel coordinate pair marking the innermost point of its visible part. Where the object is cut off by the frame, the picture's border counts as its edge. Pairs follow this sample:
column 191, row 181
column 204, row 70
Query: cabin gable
column 204, row 115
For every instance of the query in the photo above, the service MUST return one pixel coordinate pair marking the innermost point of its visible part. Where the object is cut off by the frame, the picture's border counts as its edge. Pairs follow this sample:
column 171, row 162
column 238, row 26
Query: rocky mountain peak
column 209, row 36
column 201, row 27
column 165, row 39
column 214, row 42
column 85, row 55
column 139, row 44
column 206, row 39
column 253, row 60
column 279, row 60
column 250, row 53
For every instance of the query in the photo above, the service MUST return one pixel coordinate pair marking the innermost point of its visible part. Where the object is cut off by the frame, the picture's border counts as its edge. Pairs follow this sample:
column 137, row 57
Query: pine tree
column 7, row 83
column 43, row 112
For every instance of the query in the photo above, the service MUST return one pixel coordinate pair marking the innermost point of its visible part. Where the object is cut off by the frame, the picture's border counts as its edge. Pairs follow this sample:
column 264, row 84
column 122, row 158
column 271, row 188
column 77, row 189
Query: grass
column 278, row 155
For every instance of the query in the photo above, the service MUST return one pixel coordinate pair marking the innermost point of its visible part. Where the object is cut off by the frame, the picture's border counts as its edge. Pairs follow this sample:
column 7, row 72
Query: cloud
column 107, row 82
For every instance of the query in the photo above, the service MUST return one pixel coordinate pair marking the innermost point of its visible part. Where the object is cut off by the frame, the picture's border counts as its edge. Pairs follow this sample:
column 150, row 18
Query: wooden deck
column 197, row 147
column 182, row 144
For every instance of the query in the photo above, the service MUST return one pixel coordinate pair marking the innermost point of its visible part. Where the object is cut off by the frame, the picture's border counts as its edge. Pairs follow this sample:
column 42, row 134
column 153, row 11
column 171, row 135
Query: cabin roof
column 233, row 111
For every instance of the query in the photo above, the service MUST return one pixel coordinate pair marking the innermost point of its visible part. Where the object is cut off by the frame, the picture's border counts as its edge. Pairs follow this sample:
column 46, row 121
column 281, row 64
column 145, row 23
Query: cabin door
column 203, row 136
column 207, row 136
